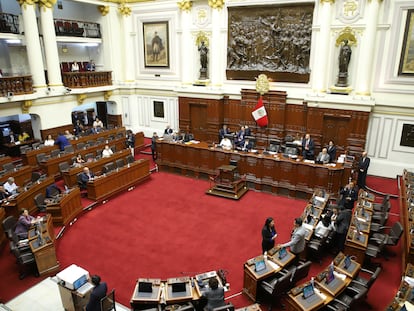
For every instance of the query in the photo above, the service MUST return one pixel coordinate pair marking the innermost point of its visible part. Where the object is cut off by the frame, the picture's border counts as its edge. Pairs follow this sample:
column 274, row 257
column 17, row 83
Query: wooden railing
column 16, row 85
column 9, row 23
column 87, row 79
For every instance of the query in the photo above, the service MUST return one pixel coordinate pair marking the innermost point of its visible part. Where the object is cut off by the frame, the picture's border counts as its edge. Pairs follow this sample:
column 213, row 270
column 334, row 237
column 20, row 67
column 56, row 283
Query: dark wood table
column 13, row 149
column 116, row 181
column 20, row 175
column 264, row 172
column 66, row 207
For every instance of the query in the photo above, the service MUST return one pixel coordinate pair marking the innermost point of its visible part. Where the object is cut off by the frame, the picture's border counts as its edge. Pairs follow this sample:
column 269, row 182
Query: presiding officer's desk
column 267, row 172
column 252, row 278
column 111, row 183
column 65, row 207
column 25, row 198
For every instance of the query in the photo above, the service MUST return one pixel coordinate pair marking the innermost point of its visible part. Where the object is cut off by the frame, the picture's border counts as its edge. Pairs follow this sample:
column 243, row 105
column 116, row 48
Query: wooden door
column 336, row 129
column 198, row 121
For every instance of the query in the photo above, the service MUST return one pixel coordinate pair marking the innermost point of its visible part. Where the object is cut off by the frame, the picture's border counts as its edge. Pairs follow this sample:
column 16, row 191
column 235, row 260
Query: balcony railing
column 72, row 28
column 86, row 79
column 9, row 23
column 16, row 85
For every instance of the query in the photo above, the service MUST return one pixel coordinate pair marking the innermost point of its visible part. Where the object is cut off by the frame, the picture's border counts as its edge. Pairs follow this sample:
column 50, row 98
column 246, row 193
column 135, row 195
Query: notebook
column 259, row 265
column 308, row 291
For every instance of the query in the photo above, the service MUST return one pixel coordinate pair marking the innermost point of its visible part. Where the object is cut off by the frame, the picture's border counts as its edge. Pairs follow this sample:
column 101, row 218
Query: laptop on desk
column 308, row 291
column 259, row 265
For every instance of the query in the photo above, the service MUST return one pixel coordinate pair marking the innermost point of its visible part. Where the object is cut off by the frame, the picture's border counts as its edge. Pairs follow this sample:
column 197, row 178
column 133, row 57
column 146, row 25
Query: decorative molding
column 24, row 3
column 346, row 34
column 262, row 84
column 328, row 1
column 104, row 9
column 216, row 4
column 46, row 3
column 124, row 10
column 107, row 94
column 201, row 37
column 26, row 106
column 185, row 5
column 81, row 98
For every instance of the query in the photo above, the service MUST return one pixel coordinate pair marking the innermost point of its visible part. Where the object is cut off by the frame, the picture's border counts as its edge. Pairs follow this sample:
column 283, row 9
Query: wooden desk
column 30, row 156
column 4, row 160
column 153, row 298
column 20, row 175
column 72, row 300
column 178, row 297
column 352, row 270
column 24, row 200
column 116, row 181
column 70, row 176
column 13, row 149
column 315, row 302
column 336, row 286
column 265, row 172
column 66, row 208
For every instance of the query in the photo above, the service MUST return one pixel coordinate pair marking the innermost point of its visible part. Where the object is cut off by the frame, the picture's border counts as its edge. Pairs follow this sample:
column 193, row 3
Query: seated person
column 107, row 152
column 97, row 123
column 74, row 67
column 308, row 148
column 78, row 128
column 79, row 161
column 247, row 131
column 98, row 292
column 23, row 224
column 96, row 129
column 177, row 137
column 3, row 193
column 247, row 146
column 49, row 141
column 223, row 131
column 10, row 186
column 23, row 137
column 86, row 176
column 226, row 144
column 188, row 136
column 52, row 191
column 90, row 66
column 349, row 194
column 69, row 135
column 168, row 130
column 323, row 156
column 215, row 295
column 324, row 227
column 12, row 138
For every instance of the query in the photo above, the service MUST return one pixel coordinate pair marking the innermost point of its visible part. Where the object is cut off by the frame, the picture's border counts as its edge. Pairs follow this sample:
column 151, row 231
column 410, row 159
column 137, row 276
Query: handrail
column 16, row 85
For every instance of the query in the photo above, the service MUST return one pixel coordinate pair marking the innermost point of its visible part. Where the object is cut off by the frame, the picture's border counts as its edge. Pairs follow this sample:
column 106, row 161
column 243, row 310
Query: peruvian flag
column 259, row 113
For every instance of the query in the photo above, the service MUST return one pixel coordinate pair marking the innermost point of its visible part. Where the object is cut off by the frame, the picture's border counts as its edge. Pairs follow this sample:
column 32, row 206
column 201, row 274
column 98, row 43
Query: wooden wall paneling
column 305, row 178
column 184, row 111
column 295, row 120
column 314, row 126
column 56, row 130
column 114, row 120
column 336, row 128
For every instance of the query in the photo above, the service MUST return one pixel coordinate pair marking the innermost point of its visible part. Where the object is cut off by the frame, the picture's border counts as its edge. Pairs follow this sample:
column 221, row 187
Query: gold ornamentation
column 26, row 106
column 81, row 98
column 216, row 4
column 346, row 34
column 202, row 37
column 24, row 3
column 104, row 9
column 350, row 6
column 328, row 1
column 46, row 3
column 185, row 5
column 262, row 84
column 107, row 94
column 124, row 9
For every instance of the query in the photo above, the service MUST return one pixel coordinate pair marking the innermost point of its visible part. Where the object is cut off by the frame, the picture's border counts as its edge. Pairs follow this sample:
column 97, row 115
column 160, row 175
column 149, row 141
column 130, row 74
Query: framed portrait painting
column 156, row 44
column 407, row 53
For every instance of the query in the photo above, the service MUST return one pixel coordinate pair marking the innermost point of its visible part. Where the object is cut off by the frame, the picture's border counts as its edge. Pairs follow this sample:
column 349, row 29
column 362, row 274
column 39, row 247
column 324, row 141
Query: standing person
column 130, row 141
column 341, row 225
column 269, row 235
column 154, row 145
column 349, row 196
column 156, row 44
column 331, row 151
column 62, row 141
column 215, row 295
column 98, row 292
column 308, row 148
column 363, row 165
column 297, row 240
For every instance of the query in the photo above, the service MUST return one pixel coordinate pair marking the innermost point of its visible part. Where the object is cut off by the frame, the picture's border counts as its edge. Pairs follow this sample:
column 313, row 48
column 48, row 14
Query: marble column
column 49, row 42
column 365, row 60
column 216, row 53
column 186, row 40
column 34, row 51
column 129, row 39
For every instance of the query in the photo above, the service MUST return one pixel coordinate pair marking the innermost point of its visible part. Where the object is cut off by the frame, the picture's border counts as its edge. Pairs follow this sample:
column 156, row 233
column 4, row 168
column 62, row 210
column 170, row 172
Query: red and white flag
column 259, row 113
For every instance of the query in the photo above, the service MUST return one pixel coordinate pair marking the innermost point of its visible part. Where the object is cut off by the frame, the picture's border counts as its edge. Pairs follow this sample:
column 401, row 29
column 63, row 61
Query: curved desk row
column 265, row 172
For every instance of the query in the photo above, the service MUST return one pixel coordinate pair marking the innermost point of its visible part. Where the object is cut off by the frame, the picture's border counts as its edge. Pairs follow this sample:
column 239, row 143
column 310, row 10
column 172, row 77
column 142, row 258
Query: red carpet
column 168, row 227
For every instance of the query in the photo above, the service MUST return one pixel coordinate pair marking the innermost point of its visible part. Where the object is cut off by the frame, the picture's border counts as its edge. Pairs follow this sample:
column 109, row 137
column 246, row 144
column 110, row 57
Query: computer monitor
column 308, row 291
column 145, row 287
column 178, row 287
column 259, row 265
column 282, row 253
column 330, row 276
column 347, row 262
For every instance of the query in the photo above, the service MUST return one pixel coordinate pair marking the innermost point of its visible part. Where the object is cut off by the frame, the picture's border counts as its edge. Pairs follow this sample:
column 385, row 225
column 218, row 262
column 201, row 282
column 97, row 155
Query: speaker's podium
column 228, row 183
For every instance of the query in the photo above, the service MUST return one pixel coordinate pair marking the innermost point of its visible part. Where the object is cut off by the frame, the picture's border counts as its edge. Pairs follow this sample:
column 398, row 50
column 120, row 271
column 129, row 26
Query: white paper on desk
column 272, row 264
column 361, row 219
column 409, row 306
column 308, row 226
column 320, row 199
column 409, row 280
column 339, row 275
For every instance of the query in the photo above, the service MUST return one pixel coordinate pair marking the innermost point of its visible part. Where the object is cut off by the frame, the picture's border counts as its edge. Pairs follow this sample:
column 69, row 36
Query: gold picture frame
column 156, row 44
column 407, row 52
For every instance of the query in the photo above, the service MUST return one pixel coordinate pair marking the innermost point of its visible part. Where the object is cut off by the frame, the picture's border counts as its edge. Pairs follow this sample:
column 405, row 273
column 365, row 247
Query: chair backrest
column 39, row 199
column 396, row 232
column 130, row 159
column 54, row 153
column 108, row 302
column 8, row 167
column 283, row 284
column 301, row 272
column 373, row 277
column 69, row 149
column 88, row 156
column 64, row 166
column 8, row 225
column 80, row 146
column 359, row 296
column 40, row 157
column 119, row 163
column 35, row 176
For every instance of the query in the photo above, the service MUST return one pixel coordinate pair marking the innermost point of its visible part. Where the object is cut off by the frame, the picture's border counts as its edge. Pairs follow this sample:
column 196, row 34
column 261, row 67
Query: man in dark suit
column 168, row 130
column 85, row 176
column 97, row 294
column 331, row 151
column 363, row 165
column 240, row 137
column 223, row 131
column 341, row 225
column 349, row 196
column 308, row 147
column 247, row 146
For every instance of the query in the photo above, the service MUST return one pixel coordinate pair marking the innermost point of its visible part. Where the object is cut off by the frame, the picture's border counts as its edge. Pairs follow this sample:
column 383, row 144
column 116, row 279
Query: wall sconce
column 64, row 49
column 10, row 95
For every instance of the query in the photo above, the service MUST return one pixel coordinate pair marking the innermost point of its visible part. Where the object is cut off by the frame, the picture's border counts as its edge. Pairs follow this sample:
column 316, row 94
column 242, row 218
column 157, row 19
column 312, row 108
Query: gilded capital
column 216, row 4
column 81, row 98
column 104, row 9
column 107, row 95
column 27, row 2
column 26, row 106
column 328, row 1
column 124, row 10
column 347, row 34
column 185, row 5
column 46, row 3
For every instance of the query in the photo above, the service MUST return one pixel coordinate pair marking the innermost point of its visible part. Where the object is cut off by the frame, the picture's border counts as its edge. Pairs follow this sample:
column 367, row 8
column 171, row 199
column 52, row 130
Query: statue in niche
column 344, row 59
column 203, row 49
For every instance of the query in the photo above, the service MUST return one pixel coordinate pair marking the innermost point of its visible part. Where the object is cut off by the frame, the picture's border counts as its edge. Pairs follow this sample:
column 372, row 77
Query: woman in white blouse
column 49, row 141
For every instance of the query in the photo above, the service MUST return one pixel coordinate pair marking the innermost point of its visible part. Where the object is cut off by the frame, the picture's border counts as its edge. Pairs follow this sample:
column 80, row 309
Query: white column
column 365, row 61
column 129, row 39
column 186, row 40
column 34, row 52
column 319, row 68
column 215, row 49
column 51, row 49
